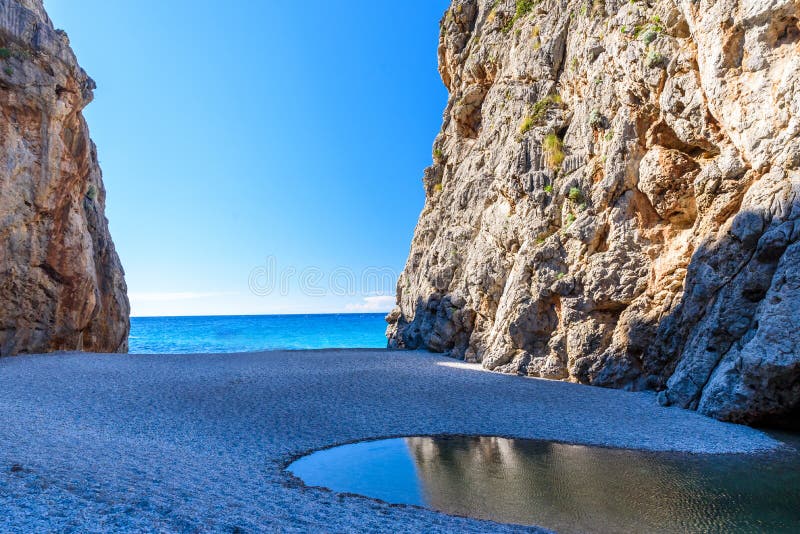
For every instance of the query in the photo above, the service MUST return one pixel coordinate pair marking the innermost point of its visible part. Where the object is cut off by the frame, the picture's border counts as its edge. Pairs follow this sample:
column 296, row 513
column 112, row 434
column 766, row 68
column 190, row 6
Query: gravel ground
column 198, row 442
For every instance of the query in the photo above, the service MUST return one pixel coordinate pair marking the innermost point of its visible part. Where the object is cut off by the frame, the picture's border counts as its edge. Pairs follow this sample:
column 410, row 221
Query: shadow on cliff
column 731, row 347
column 441, row 324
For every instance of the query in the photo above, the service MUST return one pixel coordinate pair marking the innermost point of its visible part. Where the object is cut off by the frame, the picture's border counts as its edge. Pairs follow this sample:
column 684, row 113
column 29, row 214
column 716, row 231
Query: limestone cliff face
column 61, row 283
column 614, row 200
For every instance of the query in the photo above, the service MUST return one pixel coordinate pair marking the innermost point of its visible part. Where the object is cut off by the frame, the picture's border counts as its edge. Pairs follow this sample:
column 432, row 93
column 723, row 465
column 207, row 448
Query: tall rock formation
column 61, row 283
column 614, row 200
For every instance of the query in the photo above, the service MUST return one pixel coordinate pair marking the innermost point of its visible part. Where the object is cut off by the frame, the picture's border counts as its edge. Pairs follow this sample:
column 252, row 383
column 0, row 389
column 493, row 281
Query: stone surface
column 61, row 283
column 639, row 229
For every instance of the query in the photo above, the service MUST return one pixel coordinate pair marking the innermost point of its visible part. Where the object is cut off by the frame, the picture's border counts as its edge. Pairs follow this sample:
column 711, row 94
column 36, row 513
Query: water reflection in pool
column 568, row 488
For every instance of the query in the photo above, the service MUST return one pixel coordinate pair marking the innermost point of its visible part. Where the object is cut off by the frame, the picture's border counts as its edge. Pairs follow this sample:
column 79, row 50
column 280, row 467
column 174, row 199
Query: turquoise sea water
column 184, row 335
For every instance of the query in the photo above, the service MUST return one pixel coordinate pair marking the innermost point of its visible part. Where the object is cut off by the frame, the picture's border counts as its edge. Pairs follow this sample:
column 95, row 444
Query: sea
column 247, row 333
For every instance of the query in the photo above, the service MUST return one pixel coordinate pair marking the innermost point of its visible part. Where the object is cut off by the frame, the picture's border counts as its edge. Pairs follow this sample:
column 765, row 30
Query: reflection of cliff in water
column 575, row 488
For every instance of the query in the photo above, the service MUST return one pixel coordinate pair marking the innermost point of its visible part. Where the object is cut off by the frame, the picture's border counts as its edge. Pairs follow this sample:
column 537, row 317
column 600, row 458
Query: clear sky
column 260, row 157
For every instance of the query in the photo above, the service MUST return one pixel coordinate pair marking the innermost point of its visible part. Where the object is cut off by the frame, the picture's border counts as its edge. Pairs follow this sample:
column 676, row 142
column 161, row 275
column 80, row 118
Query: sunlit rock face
column 61, row 283
column 614, row 200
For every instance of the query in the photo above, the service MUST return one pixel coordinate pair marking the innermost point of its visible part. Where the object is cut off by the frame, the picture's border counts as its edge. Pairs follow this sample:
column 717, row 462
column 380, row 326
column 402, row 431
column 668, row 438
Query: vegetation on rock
column 692, row 314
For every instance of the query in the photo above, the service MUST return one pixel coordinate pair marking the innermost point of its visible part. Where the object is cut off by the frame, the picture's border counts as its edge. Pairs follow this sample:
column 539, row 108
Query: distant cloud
column 171, row 297
column 383, row 303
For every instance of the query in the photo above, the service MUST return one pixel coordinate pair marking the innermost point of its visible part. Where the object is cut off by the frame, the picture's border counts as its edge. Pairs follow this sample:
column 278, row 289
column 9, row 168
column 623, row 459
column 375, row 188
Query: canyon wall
column 61, row 283
column 614, row 200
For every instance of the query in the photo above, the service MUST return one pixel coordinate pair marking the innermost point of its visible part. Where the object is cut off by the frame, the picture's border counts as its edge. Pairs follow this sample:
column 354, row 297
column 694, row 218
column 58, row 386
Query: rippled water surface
column 569, row 488
column 184, row 335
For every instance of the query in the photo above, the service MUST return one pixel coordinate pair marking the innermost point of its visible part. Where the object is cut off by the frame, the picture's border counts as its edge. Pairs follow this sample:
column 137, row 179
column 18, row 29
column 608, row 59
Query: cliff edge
column 62, row 285
column 614, row 200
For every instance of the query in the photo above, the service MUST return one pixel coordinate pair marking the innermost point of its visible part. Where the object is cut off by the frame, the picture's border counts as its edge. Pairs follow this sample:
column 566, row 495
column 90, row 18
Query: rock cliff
column 614, row 200
column 61, row 283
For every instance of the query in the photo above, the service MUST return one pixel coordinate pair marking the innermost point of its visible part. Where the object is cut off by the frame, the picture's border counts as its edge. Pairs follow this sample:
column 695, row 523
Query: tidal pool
column 569, row 488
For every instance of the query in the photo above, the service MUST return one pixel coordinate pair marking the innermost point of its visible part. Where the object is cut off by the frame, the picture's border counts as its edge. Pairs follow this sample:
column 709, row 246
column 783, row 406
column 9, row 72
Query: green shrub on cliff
column 523, row 8
column 539, row 111
column 649, row 35
column 654, row 59
column 575, row 194
column 527, row 124
column 541, row 107
column 553, row 150
column 596, row 120
column 5, row 53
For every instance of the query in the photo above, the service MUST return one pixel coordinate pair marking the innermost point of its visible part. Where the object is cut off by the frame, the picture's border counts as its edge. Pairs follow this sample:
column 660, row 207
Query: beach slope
column 199, row 442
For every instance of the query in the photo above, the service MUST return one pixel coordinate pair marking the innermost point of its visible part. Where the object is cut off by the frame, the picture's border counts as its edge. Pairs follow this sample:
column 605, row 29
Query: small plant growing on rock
column 575, row 194
column 8, row 70
column 91, row 193
column 609, row 136
column 523, row 8
column 527, row 124
column 596, row 120
column 5, row 53
column 570, row 219
column 649, row 35
column 537, row 42
column 437, row 155
column 553, row 149
column 548, row 189
column 540, row 109
column 437, row 188
column 654, row 59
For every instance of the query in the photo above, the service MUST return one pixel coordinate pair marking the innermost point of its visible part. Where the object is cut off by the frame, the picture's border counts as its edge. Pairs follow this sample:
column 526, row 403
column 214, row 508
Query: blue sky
column 239, row 140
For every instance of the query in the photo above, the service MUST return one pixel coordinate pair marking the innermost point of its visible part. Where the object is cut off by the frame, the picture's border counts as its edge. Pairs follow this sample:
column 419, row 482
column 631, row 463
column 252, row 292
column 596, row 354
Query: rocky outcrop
column 61, row 283
column 614, row 200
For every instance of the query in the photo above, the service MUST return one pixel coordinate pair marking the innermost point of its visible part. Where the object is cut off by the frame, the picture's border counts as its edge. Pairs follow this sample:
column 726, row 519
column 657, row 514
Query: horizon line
column 256, row 315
